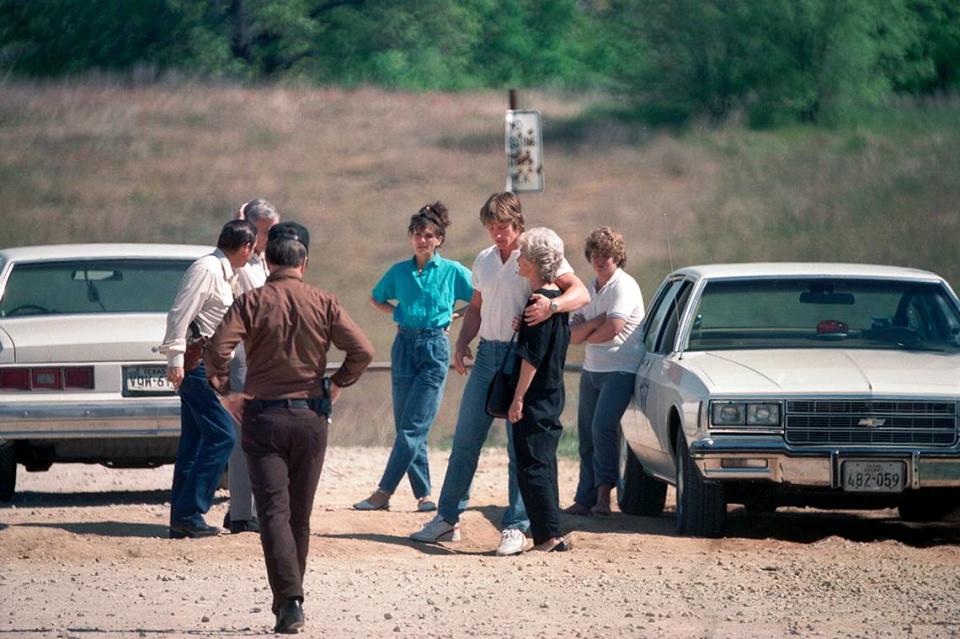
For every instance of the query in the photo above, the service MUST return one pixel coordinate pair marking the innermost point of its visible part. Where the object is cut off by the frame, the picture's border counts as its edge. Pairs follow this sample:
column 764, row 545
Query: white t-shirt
column 503, row 292
column 620, row 298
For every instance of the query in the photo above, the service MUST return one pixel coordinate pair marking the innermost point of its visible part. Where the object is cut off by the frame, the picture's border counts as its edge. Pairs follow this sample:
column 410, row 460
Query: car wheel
column 8, row 471
column 637, row 492
column 920, row 510
column 701, row 505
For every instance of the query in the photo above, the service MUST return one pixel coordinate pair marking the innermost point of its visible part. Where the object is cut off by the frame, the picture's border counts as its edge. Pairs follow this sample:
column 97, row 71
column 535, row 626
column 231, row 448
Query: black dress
column 536, row 435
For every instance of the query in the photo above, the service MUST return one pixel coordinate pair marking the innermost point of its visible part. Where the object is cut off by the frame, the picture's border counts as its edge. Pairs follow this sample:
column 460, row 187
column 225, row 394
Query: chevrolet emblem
column 872, row 422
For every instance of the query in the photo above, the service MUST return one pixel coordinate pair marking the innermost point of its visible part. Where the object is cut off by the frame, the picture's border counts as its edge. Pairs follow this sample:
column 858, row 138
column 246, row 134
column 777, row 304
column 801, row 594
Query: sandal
column 577, row 509
column 379, row 500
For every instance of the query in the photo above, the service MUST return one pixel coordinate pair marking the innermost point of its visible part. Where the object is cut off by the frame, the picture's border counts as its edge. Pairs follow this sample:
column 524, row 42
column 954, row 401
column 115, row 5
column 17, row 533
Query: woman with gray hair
column 539, row 396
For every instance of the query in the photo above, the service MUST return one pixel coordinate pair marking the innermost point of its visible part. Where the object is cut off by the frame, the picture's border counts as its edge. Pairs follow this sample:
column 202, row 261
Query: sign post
column 524, row 149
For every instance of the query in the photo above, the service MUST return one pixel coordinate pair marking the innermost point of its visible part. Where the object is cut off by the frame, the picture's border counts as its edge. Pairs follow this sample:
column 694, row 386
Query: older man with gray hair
column 241, row 517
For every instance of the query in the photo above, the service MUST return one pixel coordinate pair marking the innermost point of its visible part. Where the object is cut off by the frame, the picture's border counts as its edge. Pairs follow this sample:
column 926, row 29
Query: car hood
column 86, row 338
column 827, row 371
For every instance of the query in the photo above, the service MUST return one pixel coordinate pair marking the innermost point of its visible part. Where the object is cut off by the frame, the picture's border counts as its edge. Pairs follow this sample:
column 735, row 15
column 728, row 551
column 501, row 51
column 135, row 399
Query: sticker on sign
column 524, row 147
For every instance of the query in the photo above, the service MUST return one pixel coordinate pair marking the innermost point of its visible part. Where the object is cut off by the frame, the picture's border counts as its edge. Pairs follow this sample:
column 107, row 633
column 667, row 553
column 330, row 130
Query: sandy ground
column 84, row 554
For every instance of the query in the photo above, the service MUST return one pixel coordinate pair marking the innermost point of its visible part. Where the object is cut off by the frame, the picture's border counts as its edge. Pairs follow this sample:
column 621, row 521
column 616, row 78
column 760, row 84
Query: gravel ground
column 83, row 553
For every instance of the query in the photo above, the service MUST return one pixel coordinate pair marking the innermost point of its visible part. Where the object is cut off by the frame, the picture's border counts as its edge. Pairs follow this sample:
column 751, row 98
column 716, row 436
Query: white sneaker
column 512, row 542
column 438, row 529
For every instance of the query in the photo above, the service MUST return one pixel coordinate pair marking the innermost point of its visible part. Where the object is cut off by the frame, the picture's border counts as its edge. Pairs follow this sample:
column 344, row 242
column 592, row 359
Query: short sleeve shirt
column 503, row 291
column 620, row 297
column 545, row 346
column 424, row 298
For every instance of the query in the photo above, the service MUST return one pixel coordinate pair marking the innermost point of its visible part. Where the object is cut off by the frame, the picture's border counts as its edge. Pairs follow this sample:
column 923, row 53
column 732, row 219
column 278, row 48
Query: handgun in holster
column 323, row 406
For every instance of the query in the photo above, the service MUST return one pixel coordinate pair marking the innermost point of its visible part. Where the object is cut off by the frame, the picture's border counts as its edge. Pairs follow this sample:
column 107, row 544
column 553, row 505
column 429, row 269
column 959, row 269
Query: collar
column 284, row 274
column 433, row 261
column 224, row 264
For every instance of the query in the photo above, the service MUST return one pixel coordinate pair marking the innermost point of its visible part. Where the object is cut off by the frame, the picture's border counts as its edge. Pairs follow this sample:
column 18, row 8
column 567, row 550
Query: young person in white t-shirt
column 608, row 326
column 499, row 295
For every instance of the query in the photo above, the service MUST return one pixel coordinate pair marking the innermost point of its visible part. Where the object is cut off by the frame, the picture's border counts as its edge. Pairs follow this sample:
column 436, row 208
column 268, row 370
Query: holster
column 323, row 406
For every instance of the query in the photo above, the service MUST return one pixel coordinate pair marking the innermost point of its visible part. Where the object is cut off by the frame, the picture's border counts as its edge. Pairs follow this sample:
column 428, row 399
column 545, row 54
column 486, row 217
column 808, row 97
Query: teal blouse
column 424, row 300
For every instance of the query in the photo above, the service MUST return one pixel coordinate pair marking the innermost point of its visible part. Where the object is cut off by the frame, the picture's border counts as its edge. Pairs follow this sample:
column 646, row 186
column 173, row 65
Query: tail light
column 46, row 378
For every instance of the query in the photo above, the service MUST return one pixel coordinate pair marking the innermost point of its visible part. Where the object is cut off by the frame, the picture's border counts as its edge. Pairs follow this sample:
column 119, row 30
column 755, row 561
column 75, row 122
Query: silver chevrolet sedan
column 827, row 385
column 78, row 379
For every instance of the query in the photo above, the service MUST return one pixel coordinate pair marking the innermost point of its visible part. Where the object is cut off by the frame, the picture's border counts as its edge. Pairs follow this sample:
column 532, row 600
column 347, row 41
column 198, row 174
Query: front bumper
column 819, row 467
column 143, row 417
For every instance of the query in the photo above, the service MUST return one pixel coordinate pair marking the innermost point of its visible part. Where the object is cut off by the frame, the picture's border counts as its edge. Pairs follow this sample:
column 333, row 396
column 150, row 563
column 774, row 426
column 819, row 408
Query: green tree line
column 770, row 61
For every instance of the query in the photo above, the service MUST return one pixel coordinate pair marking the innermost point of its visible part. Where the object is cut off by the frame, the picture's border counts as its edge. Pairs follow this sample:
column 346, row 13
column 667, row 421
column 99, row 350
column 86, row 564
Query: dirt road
column 83, row 554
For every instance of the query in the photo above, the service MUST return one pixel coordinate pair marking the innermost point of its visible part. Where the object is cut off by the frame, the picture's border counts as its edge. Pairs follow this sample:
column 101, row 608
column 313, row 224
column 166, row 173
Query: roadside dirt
column 84, row 554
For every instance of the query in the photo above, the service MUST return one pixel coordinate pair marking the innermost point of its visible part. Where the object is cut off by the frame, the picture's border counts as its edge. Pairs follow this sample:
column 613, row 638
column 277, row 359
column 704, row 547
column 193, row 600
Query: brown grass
column 99, row 162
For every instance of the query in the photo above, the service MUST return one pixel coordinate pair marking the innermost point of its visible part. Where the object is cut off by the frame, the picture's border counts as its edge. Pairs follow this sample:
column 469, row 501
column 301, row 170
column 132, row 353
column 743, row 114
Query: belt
column 260, row 404
column 421, row 331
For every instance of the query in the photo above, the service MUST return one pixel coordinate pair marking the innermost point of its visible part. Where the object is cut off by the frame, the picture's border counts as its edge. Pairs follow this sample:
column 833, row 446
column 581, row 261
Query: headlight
column 763, row 414
column 744, row 414
column 729, row 414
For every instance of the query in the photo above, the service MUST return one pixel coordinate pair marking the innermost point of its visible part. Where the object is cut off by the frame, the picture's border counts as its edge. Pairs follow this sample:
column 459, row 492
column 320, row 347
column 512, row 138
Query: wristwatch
column 554, row 307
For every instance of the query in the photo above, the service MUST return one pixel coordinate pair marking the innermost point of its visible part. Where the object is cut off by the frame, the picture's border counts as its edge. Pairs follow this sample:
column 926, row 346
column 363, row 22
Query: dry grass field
column 97, row 161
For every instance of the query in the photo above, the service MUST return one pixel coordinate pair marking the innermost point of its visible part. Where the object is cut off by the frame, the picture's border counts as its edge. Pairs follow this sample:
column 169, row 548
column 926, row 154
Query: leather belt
column 260, row 404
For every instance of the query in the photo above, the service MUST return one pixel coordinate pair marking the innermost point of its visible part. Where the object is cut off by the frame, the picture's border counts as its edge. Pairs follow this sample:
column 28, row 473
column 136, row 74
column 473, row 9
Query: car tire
column 637, row 492
column 701, row 505
column 923, row 510
column 8, row 471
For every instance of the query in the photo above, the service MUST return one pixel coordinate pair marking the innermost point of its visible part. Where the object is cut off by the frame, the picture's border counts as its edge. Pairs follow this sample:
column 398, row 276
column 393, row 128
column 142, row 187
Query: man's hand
column 235, row 403
column 460, row 353
column 577, row 319
column 538, row 311
column 175, row 375
column 334, row 393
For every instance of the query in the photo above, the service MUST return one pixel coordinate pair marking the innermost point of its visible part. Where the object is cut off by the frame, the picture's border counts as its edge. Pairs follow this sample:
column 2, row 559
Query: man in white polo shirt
column 499, row 296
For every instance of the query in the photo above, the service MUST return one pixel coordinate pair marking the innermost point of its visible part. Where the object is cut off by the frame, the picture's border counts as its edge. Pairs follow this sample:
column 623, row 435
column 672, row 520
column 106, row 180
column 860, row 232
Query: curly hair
column 605, row 242
column 544, row 249
column 431, row 215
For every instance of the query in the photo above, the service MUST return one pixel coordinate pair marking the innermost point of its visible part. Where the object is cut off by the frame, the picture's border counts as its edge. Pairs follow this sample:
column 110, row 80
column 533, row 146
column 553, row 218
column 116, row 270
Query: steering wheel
column 899, row 334
column 25, row 307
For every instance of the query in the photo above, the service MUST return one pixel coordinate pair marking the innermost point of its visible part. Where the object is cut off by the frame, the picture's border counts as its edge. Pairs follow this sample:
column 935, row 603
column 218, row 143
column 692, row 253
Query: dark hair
column 434, row 215
column 284, row 251
column 235, row 234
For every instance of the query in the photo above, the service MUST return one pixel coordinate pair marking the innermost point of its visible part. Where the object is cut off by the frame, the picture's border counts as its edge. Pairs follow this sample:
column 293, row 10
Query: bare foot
column 576, row 509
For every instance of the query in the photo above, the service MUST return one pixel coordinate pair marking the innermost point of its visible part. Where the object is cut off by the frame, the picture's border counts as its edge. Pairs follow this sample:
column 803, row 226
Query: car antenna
column 676, row 306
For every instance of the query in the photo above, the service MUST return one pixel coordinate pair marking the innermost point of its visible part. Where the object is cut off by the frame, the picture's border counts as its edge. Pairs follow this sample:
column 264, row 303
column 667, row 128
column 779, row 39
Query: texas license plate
column 873, row 476
column 146, row 380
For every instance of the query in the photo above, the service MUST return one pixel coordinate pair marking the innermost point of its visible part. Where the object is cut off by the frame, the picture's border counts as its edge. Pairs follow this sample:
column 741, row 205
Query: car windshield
column 92, row 286
column 825, row 313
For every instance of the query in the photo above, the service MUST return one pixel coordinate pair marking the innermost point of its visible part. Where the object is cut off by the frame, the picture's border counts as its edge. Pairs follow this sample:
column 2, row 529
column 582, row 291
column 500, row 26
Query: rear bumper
column 108, row 418
column 820, row 468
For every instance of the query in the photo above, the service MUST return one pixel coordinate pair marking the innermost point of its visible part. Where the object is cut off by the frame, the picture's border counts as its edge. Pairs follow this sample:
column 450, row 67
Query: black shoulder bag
column 504, row 383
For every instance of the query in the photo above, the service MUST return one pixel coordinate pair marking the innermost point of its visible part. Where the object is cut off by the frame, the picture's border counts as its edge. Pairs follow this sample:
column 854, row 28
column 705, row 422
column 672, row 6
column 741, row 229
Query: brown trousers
column 285, row 448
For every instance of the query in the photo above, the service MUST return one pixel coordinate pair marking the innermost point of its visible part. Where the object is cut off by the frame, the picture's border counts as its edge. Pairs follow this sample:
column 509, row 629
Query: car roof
column 103, row 250
column 806, row 269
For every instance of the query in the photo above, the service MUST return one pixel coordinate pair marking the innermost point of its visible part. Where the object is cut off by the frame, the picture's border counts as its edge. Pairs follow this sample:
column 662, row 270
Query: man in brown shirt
column 287, row 327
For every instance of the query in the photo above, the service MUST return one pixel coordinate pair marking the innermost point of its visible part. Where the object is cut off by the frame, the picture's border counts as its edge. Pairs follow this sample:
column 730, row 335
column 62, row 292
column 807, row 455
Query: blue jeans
column 419, row 361
column 603, row 399
column 473, row 424
column 206, row 439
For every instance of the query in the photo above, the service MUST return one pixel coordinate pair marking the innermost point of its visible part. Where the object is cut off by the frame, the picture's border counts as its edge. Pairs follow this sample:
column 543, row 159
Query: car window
column 825, row 313
column 658, row 310
column 92, row 286
column 668, row 332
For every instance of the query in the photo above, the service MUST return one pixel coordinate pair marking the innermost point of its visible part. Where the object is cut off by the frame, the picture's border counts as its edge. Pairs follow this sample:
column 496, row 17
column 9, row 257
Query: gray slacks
column 238, row 476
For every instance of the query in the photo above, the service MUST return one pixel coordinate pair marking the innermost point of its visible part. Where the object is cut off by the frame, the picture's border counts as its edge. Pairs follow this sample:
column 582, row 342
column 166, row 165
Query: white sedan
column 78, row 379
column 827, row 385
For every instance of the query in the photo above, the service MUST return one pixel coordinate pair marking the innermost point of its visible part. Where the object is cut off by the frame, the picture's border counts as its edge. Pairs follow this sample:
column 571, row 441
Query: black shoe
column 289, row 617
column 184, row 530
column 244, row 525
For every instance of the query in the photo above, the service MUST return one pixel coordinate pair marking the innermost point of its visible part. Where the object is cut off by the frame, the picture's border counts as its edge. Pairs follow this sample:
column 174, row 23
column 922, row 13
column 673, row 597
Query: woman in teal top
column 424, row 289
